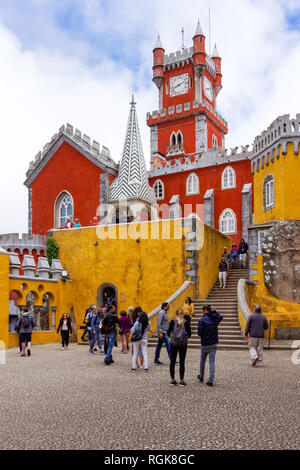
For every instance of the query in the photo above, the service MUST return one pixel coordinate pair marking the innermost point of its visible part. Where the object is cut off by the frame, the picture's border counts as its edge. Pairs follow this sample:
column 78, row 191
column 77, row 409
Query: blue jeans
column 211, row 351
column 161, row 341
column 110, row 338
column 96, row 337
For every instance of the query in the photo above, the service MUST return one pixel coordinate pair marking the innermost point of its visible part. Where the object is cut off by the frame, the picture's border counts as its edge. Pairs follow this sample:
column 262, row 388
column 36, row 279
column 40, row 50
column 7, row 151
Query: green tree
column 52, row 249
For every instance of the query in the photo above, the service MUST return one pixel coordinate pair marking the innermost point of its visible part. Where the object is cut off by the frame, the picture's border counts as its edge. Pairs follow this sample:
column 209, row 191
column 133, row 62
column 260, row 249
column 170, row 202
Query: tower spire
column 158, row 44
column 132, row 181
column 199, row 31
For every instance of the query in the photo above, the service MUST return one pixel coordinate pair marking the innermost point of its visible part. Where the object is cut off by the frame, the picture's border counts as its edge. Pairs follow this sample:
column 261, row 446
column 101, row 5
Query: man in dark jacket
column 208, row 331
column 109, row 323
column 255, row 328
column 25, row 325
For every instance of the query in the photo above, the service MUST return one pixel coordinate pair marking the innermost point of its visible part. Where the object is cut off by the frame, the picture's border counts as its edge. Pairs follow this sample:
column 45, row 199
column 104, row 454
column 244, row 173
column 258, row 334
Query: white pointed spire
column 132, row 181
column 215, row 52
column 199, row 31
column 158, row 44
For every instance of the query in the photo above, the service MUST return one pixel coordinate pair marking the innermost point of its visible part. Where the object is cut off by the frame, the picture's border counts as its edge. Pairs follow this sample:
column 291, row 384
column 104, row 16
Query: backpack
column 25, row 321
column 137, row 335
column 179, row 334
column 88, row 318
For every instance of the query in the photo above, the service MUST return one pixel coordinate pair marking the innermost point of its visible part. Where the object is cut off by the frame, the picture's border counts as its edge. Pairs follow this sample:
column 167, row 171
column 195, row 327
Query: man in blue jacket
column 208, row 331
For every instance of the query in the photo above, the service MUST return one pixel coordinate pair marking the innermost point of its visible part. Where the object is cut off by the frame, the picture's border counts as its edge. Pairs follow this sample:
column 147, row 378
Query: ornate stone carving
column 281, row 260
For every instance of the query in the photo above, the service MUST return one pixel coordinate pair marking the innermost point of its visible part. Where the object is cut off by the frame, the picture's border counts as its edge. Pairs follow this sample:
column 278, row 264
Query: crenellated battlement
column 276, row 136
column 209, row 158
column 12, row 241
column 180, row 109
column 184, row 57
column 91, row 148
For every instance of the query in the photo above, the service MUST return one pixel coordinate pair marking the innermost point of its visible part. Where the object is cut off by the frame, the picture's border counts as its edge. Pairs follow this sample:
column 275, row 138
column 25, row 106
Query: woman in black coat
column 65, row 330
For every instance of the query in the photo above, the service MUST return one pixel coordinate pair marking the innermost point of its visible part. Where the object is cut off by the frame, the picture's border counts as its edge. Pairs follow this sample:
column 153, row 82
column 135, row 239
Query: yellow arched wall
column 146, row 270
column 281, row 313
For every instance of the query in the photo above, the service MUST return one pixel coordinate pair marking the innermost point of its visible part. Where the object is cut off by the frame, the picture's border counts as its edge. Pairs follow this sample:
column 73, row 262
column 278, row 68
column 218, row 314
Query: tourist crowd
column 103, row 324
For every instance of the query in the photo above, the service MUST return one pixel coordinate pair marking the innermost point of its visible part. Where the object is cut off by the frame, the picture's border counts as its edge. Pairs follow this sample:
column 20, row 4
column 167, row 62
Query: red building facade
column 68, row 179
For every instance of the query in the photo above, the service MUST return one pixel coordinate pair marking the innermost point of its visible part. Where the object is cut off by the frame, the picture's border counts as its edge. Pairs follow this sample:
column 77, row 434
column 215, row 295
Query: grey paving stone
column 70, row 400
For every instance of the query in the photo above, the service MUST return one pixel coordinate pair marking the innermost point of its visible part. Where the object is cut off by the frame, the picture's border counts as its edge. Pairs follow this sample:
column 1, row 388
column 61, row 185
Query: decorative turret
column 217, row 60
column 158, row 63
column 199, row 54
column 158, row 69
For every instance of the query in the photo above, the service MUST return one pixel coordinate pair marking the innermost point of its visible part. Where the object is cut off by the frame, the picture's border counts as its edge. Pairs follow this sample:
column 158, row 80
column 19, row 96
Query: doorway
column 107, row 292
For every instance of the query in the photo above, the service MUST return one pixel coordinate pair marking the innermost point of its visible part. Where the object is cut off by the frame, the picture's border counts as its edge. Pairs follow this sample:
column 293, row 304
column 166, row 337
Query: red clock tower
column 189, row 82
column 191, row 171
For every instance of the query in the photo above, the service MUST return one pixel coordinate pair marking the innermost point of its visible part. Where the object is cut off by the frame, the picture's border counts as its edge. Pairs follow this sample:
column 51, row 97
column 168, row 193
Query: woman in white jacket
column 140, row 338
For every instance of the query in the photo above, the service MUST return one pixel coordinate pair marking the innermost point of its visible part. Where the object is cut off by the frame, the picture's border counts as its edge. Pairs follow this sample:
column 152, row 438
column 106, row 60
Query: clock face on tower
column 208, row 90
column 179, row 85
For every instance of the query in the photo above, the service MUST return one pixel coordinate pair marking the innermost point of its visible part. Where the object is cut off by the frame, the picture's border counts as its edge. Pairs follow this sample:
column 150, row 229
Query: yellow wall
column 145, row 273
column 286, row 172
column 4, row 290
column 209, row 257
column 281, row 313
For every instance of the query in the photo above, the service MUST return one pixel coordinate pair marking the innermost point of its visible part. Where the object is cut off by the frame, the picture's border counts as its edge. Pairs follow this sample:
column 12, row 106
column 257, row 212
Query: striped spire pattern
column 132, row 181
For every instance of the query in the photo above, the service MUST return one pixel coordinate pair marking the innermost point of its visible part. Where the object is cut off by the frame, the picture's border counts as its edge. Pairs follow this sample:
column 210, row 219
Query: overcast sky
column 78, row 61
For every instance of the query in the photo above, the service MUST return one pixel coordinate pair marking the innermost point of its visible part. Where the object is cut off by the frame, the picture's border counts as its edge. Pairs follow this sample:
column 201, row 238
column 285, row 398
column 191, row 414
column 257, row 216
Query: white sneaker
column 62, row 348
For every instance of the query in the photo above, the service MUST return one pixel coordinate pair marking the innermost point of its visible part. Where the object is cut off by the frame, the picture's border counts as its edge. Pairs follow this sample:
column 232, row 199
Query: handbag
column 137, row 335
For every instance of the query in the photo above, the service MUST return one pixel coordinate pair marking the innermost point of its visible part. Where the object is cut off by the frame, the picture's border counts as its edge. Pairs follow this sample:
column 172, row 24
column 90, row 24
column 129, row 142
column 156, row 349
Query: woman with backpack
column 180, row 331
column 25, row 325
column 139, row 339
column 65, row 330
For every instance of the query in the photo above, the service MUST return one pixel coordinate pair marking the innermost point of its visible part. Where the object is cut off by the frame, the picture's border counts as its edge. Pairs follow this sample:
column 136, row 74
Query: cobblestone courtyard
column 70, row 400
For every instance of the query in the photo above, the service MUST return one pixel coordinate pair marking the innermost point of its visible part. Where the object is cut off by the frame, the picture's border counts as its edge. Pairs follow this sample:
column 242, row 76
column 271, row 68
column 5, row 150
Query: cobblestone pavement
column 70, row 400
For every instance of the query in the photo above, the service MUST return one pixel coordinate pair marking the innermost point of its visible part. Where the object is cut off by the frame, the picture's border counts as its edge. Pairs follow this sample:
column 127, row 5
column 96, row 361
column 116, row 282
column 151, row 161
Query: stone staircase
column 225, row 302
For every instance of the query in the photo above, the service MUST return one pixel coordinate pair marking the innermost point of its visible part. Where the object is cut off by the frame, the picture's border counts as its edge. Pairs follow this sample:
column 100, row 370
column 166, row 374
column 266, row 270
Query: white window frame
column 192, row 191
column 226, row 170
column 215, row 144
column 270, row 194
column 157, row 182
column 228, row 231
column 57, row 209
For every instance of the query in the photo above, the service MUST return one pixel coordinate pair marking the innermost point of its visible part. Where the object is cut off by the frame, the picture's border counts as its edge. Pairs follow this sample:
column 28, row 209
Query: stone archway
column 106, row 287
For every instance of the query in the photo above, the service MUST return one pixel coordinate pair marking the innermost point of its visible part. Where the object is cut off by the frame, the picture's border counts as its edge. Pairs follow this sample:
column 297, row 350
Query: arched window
column 192, row 184
column 173, row 139
column 159, row 189
column 215, row 142
column 228, row 178
column 179, row 138
column 63, row 209
column 268, row 193
column 227, row 222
